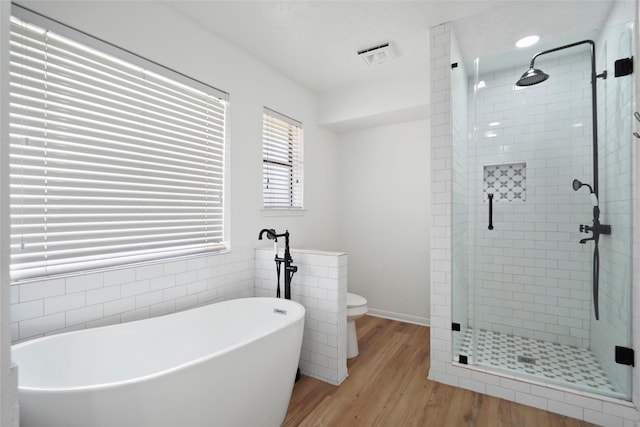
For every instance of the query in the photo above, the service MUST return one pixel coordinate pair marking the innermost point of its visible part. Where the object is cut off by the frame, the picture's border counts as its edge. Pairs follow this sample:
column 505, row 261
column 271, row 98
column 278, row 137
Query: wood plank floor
column 387, row 386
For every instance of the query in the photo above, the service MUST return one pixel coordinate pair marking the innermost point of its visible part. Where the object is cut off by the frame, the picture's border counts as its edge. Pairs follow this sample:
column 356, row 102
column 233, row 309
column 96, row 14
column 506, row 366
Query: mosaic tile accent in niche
column 507, row 182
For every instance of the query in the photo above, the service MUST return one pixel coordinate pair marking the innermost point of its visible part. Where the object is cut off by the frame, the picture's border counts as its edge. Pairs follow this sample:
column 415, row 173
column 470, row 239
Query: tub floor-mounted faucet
column 289, row 268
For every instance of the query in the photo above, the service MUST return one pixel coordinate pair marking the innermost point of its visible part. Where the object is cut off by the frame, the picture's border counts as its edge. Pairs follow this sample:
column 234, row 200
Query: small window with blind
column 113, row 159
column 282, row 170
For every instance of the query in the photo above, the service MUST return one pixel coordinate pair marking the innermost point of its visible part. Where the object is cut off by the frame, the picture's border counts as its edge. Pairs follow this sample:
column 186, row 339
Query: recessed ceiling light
column 527, row 41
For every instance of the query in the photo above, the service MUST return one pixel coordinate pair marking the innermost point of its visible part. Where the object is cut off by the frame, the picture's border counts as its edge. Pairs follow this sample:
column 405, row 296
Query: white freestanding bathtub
column 227, row 364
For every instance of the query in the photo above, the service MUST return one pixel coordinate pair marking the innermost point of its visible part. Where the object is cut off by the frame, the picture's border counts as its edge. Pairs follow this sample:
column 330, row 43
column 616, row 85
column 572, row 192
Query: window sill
column 283, row 212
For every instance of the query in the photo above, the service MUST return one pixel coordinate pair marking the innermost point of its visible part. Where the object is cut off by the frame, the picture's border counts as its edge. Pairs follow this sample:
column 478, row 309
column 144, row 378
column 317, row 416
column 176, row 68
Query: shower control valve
column 585, row 228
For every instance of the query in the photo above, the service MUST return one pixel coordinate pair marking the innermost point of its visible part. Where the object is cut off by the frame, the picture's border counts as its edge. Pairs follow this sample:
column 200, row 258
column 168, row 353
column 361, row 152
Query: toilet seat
column 356, row 305
column 355, row 300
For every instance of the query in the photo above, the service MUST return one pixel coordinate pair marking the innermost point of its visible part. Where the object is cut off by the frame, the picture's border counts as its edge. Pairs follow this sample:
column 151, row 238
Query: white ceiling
column 316, row 42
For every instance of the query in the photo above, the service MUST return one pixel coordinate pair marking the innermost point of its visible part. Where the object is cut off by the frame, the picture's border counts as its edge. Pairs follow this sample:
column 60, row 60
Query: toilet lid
column 355, row 300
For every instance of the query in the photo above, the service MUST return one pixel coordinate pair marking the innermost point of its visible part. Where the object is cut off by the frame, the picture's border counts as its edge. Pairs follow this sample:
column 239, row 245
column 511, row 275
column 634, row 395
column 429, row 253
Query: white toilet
column 356, row 308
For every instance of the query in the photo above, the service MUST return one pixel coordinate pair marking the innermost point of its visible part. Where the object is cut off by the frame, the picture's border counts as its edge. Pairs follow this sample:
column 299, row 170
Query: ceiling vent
column 377, row 54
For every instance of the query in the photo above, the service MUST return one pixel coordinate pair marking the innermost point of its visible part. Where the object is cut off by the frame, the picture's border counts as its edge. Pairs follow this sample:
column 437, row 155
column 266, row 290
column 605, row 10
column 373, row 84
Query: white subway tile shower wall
column 604, row 411
column 531, row 276
column 441, row 212
column 88, row 300
column 320, row 284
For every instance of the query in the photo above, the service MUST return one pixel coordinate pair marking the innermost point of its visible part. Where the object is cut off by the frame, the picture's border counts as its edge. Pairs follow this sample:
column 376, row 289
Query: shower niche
column 507, row 182
column 523, row 289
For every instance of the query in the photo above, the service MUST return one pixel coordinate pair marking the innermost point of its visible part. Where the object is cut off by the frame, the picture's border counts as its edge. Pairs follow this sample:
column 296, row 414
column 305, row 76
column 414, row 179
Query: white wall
column 370, row 105
column 154, row 31
column 384, row 217
column 400, row 221
column 149, row 29
column 383, row 209
column 400, row 285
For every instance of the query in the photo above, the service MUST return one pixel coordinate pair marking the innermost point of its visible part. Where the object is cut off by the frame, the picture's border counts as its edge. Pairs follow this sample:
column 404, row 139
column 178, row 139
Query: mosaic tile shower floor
column 556, row 363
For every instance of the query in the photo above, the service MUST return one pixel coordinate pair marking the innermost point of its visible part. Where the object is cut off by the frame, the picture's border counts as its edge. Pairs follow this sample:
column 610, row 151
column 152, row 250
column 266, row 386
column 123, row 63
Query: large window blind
column 282, row 169
column 110, row 163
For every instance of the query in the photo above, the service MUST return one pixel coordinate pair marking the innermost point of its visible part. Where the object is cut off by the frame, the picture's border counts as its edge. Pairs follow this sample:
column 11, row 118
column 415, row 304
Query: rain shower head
column 532, row 77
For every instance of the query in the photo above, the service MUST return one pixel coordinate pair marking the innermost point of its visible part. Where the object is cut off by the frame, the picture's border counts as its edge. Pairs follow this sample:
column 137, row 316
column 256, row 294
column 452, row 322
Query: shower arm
column 594, row 101
column 566, row 46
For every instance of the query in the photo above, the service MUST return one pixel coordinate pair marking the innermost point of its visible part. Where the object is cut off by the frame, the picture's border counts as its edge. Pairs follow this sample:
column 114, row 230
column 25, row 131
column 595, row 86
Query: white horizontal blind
column 282, row 166
column 110, row 163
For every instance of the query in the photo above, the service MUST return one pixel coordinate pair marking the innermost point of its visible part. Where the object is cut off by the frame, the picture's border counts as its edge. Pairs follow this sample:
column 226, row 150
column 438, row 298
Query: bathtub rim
column 147, row 377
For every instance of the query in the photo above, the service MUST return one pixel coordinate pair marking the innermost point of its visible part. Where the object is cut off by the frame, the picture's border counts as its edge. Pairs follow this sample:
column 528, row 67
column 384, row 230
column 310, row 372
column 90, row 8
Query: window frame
column 295, row 165
column 163, row 255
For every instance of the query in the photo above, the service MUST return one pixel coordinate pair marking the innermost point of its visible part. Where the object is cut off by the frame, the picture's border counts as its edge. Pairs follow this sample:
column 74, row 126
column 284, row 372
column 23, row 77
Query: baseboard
column 407, row 318
column 324, row 380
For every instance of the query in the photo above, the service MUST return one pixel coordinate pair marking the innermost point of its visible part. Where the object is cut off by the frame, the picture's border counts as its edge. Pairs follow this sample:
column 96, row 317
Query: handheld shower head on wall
column 578, row 185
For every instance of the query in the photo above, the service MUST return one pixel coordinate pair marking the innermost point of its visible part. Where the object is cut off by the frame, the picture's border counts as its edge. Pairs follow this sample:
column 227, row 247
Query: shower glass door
column 523, row 282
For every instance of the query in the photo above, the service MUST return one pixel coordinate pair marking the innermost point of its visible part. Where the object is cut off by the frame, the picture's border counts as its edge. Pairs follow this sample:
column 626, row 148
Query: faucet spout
column 271, row 234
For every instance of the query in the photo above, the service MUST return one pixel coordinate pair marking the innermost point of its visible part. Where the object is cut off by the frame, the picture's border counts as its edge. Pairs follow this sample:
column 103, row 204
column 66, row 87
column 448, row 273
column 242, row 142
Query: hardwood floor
column 388, row 386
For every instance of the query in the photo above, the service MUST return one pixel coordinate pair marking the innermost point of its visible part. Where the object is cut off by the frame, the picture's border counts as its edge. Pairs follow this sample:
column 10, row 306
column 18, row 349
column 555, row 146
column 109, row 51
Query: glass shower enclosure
column 527, row 274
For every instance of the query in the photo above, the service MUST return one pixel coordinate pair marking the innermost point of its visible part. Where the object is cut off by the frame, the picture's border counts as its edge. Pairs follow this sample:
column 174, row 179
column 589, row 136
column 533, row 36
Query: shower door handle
column 490, row 195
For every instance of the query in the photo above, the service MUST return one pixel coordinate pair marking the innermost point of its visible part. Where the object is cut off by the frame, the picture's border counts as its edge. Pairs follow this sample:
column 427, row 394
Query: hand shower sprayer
column 578, row 185
column 597, row 229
